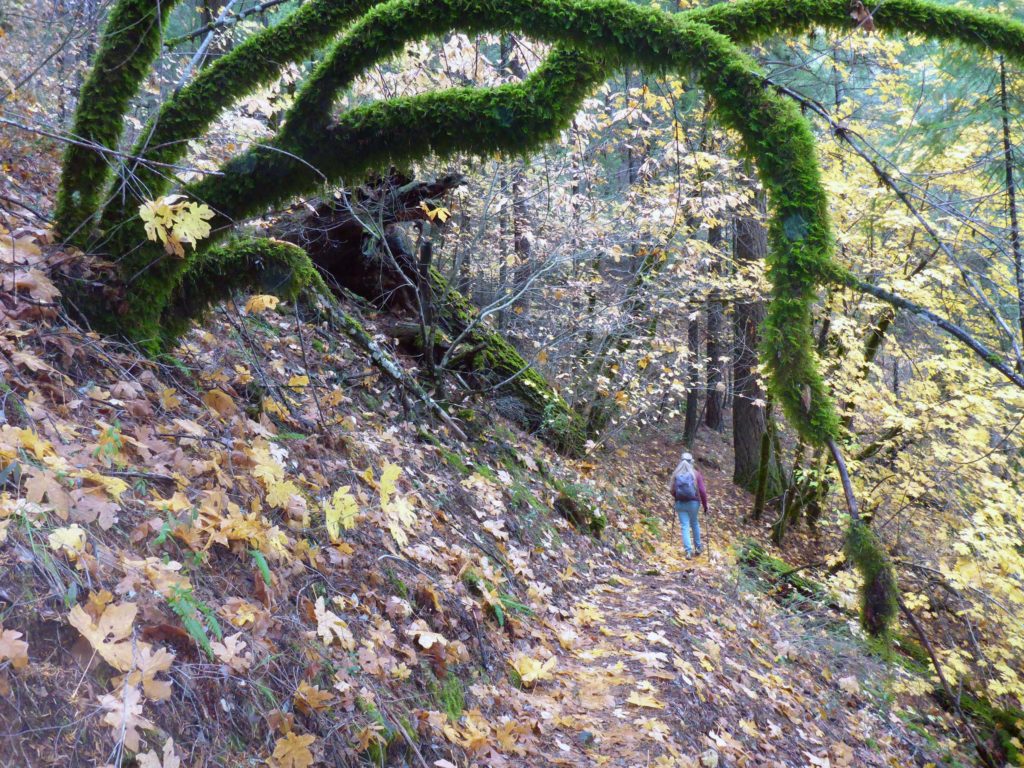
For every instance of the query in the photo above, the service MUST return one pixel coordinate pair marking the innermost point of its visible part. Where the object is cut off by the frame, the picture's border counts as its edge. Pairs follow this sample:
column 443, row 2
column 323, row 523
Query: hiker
column 687, row 486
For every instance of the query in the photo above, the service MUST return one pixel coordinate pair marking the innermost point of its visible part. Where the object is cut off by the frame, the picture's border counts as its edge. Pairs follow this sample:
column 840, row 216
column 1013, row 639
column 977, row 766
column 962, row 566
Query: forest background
column 625, row 261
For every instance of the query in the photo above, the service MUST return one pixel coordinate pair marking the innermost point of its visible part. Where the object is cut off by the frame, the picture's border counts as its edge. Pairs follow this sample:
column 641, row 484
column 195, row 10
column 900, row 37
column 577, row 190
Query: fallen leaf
column 292, row 750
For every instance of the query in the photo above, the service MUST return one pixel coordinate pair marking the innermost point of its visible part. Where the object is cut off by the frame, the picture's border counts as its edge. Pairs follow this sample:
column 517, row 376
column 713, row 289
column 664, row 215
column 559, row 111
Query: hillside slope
column 253, row 551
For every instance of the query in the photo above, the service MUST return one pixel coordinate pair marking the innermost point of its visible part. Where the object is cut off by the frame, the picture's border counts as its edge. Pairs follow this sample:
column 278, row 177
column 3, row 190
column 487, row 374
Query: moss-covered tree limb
column 774, row 133
column 269, row 266
column 750, row 21
column 190, row 112
column 130, row 43
column 514, row 118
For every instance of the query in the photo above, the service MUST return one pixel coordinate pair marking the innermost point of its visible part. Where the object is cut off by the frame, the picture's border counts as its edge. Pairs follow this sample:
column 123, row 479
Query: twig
column 92, row 145
column 954, row 700
column 844, row 475
column 386, row 363
column 222, row 23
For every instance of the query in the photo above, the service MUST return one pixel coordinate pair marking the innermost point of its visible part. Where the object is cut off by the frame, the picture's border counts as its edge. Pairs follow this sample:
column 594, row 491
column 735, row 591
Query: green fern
column 191, row 612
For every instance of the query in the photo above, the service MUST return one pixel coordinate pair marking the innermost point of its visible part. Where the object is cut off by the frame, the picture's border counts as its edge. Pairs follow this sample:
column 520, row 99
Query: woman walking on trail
column 687, row 486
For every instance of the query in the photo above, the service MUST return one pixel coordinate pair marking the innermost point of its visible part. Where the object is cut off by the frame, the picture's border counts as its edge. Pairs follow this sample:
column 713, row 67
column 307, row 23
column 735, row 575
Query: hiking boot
column 689, row 555
column 700, row 551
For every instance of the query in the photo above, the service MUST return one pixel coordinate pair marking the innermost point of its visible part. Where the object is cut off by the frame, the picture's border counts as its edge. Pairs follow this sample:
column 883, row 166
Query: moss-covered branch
column 516, row 118
column 190, row 112
column 130, row 43
column 774, row 132
column 269, row 266
column 749, row 21
column 512, row 118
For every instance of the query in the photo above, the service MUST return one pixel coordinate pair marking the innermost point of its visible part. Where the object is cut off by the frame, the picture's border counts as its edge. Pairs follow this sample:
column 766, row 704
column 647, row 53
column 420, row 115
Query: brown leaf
column 13, row 648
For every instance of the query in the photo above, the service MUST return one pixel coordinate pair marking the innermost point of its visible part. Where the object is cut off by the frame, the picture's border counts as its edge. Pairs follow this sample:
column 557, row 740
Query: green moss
column 454, row 460
column 1006, row 725
column 399, row 587
column 774, row 133
column 128, row 46
column 190, row 112
column 576, row 504
column 878, row 588
column 267, row 266
column 377, row 751
column 449, row 695
column 512, row 118
column 775, row 572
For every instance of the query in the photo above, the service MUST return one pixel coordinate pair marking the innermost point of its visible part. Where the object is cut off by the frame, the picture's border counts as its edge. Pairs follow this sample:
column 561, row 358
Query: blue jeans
column 687, row 511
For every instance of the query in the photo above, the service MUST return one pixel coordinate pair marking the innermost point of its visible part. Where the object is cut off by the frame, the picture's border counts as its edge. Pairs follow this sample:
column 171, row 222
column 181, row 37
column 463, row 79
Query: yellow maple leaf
column 280, row 492
column 152, row 760
column 638, row 699
column 399, row 513
column 261, row 302
column 13, row 648
column 192, row 223
column 108, row 634
column 424, row 635
column 331, row 628
column 309, row 698
column 124, row 715
column 292, row 750
column 530, row 670
column 175, row 222
column 70, row 539
column 169, row 398
column 220, row 402
column 340, row 512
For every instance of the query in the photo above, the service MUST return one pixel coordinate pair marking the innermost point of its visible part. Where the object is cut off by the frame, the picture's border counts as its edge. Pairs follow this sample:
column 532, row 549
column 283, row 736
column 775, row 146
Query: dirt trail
column 677, row 666
column 681, row 663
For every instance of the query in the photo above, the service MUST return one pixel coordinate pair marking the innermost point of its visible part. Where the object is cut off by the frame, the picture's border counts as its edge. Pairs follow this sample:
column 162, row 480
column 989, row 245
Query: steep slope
column 256, row 550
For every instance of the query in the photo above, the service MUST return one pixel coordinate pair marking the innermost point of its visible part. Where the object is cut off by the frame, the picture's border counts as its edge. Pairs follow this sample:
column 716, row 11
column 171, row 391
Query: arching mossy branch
column 130, row 43
column 513, row 118
column 774, row 134
column 269, row 266
column 189, row 113
column 748, row 21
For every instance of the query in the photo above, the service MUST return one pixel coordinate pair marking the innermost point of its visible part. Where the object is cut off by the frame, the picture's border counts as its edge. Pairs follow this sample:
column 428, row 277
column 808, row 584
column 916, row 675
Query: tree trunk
column 714, row 407
column 1011, row 201
column 693, row 381
column 522, row 242
column 749, row 417
column 763, row 465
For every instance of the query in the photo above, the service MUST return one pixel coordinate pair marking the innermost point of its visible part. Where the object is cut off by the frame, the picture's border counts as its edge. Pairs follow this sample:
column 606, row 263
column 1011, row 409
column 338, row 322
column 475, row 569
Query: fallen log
column 356, row 239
